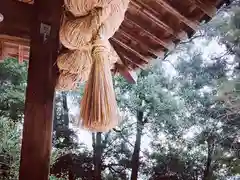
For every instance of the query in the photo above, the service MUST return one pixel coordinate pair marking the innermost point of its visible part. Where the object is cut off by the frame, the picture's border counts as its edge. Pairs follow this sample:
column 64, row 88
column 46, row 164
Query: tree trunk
column 97, row 156
column 70, row 175
column 65, row 109
column 55, row 119
column 136, row 153
column 94, row 150
column 206, row 175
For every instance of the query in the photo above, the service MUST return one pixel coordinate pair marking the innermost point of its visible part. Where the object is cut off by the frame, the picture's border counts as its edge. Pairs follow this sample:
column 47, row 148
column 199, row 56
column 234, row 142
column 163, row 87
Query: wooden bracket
column 129, row 75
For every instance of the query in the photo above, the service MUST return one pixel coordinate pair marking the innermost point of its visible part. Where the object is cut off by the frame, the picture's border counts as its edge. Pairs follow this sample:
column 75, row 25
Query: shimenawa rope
column 90, row 58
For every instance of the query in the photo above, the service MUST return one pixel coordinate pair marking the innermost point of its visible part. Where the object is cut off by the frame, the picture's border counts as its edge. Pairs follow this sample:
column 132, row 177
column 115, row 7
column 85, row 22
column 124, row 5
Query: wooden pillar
column 42, row 74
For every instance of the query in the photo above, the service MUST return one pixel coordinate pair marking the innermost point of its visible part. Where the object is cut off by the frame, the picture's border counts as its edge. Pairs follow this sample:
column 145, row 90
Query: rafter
column 192, row 24
column 124, row 58
column 138, row 40
column 129, row 60
column 152, row 36
column 120, row 43
column 206, row 7
column 126, row 55
column 133, row 45
column 167, row 43
column 147, row 11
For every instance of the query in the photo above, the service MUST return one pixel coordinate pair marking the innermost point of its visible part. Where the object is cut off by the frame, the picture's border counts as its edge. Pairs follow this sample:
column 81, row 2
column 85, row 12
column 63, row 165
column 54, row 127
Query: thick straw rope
column 90, row 57
column 84, row 7
column 80, row 61
column 76, row 61
column 68, row 81
column 77, row 33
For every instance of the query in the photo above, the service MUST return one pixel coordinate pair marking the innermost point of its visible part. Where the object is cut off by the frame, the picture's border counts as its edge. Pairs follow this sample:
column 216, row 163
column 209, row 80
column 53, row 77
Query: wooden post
column 42, row 75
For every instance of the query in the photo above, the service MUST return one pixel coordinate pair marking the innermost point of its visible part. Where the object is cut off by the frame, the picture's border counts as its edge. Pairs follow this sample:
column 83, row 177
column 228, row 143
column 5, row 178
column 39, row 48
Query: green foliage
column 151, row 95
column 55, row 178
column 10, row 134
column 13, row 82
column 13, row 77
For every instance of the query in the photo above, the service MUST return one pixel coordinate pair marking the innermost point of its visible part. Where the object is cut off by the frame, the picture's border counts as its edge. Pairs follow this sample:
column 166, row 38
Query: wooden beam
column 131, row 37
column 10, row 47
column 126, row 55
column 165, row 43
column 192, row 24
column 138, row 47
column 12, row 50
column 148, row 11
column 123, row 58
column 42, row 75
column 14, row 40
column 206, row 7
column 17, row 18
column 149, row 34
column 120, row 43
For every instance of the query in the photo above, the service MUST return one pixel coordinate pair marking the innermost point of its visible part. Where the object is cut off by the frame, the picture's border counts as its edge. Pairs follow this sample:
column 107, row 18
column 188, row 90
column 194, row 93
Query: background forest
column 180, row 121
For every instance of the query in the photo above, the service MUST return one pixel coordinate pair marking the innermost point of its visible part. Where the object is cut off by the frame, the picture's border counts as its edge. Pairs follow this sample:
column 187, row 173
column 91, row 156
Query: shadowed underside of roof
column 150, row 29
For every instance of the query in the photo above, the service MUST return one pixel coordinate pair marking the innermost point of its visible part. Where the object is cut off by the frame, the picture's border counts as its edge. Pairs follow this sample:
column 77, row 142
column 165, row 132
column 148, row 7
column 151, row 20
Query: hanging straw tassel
column 98, row 107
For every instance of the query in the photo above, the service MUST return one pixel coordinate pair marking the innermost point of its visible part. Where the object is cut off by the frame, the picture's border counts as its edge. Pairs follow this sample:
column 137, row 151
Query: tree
column 64, row 136
column 9, row 149
column 198, row 86
column 147, row 102
column 13, row 83
column 97, row 154
column 73, row 166
column 13, row 77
